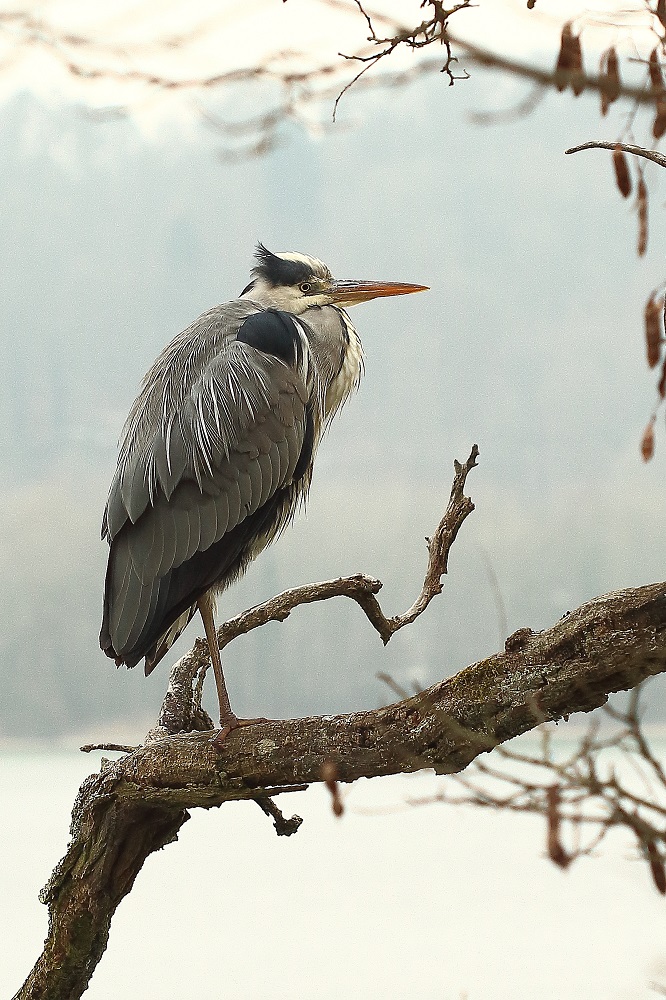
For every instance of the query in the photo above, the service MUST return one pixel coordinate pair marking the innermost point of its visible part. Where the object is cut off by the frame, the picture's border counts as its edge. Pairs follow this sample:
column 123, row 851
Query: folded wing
column 216, row 456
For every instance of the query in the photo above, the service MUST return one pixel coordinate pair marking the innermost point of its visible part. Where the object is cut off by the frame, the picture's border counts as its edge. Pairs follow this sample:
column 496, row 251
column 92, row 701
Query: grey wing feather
column 282, row 448
column 265, row 469
column 123, row 568
column 170, row 538
column 195, row 531
column 146, row 547
column 133, row 600
column 145, row 597
column 276, row 465
column 207, row 521
column 248, row 495
column 182, row 525
column 229, row 488
column 222, row 511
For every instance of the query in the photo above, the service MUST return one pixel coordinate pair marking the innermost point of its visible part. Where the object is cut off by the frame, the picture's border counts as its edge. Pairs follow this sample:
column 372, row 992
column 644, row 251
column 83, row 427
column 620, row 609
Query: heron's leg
column 228, row 719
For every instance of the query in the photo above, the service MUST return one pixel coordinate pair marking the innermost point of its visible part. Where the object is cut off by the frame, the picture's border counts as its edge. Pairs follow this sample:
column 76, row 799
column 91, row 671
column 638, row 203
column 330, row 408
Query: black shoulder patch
column 272, row 332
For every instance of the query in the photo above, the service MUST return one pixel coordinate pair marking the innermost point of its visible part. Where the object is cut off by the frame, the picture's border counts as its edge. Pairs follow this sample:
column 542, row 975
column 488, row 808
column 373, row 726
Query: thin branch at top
column 648, row 154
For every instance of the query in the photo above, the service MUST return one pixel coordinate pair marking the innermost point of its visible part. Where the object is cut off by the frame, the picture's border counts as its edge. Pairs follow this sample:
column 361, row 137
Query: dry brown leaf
column 657, row 82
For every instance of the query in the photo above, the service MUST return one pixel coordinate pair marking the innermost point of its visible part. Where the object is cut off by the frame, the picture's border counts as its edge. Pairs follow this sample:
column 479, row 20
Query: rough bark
column 137, row 804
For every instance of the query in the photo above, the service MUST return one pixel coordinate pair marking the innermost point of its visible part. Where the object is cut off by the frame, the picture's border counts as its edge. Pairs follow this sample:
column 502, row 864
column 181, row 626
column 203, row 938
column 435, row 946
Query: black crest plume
column 278, row 271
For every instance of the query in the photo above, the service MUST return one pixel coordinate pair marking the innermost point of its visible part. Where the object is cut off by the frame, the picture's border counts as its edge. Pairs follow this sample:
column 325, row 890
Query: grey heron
column 218, row 450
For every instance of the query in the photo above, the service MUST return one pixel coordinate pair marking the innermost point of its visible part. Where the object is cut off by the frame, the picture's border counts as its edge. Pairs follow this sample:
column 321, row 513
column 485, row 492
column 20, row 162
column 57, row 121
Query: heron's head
column 295, row 282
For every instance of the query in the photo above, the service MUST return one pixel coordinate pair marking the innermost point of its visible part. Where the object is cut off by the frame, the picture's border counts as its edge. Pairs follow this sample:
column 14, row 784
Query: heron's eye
column 305, row 287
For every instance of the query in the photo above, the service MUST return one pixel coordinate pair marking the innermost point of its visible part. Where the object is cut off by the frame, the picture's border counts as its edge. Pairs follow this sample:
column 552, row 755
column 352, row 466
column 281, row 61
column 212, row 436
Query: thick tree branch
column 138, row 804
column 610, row 644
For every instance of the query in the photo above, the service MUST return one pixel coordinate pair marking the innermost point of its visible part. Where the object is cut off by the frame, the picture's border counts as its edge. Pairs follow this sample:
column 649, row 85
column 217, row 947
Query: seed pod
column 656, row 867
column 653, row 336
column 570, row 58
column 621, row 167
column 647, row 441
column 610, row 73
column 642, row 207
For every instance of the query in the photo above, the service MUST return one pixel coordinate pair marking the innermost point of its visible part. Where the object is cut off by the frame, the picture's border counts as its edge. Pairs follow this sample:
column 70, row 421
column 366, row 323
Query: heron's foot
column 231, row 722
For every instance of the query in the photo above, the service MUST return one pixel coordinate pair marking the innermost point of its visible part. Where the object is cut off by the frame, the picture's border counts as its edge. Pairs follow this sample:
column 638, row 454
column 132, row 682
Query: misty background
column 529, row 343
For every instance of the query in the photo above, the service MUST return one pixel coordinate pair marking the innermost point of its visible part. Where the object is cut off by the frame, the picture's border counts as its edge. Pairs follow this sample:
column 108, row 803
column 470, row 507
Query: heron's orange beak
column 350, row 293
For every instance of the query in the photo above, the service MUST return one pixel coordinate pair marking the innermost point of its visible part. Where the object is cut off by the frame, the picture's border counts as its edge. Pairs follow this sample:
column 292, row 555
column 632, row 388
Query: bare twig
column 283, row 827
column 120, row 747
column 648, row 154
